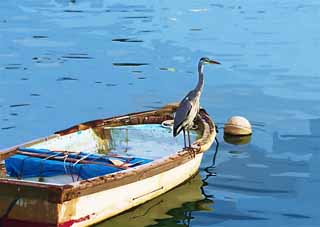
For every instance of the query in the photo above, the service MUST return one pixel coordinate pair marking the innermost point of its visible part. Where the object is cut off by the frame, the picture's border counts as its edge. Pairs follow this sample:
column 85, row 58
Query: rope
column 22, row 169
column 41, row 165
column 167, row 124
column 65, row 166
column 71, row 162
column 74, row 164
column 83, row 158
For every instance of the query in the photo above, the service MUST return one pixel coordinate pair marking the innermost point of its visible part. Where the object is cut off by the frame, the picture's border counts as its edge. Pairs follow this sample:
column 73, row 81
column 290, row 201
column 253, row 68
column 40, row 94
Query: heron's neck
column 200, row 80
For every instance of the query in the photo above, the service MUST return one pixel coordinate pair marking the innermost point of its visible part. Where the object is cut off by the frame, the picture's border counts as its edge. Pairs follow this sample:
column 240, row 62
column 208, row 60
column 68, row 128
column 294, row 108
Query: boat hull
column 93, row 208
column 86, row 202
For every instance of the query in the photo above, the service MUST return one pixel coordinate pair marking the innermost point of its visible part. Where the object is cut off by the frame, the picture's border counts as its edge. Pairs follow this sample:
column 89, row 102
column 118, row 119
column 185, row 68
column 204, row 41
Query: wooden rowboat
column 103, row 182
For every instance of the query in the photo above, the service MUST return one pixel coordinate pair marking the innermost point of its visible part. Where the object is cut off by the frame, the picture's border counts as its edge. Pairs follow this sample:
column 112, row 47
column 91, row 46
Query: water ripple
column 66, row 78
column 127, row 40
column 129, row 64
column 291, row 215
column 246, row 189
column 9, row 127
column 237, row 217
column 19, row 105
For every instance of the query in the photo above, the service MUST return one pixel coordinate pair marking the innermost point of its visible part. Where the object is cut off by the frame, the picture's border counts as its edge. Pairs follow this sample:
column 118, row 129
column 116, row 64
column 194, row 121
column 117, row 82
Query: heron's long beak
column 214, row 62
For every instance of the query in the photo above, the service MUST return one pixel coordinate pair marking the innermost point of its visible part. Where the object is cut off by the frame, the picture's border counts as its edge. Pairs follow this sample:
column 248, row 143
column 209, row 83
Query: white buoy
column 238, row 126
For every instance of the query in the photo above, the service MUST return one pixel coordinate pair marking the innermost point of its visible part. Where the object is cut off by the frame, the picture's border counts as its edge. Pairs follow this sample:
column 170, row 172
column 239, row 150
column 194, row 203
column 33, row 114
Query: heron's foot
column 187, row 148
column 192, row 151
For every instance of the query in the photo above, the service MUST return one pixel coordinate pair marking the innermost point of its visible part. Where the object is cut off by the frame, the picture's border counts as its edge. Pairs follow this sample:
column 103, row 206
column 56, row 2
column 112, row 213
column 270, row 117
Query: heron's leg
column 189, row 137
column 184, row 138
column 190, row 148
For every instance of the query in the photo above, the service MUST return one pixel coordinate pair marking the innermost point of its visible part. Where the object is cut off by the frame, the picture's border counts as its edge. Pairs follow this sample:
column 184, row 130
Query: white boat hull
column 93, row 208
column 89, row 201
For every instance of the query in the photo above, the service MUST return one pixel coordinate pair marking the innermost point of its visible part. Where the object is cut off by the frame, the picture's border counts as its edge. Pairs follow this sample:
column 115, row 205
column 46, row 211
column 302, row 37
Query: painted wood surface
column 89, row 201
column 96, row 207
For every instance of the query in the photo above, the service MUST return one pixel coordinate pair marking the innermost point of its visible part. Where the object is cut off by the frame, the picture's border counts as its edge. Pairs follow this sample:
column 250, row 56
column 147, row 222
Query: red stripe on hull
column 18, row 223
column 73, row 221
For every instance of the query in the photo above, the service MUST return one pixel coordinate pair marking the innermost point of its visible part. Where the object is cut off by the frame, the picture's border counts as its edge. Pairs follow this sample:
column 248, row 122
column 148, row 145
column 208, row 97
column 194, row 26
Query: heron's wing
column 182, row 113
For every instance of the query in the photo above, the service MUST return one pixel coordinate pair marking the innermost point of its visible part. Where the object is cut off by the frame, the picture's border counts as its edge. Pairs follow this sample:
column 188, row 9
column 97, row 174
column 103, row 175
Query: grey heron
column 190, row 105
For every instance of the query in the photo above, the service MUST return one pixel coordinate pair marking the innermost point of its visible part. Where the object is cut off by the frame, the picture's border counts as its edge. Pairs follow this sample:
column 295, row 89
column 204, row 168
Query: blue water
column 64, row 62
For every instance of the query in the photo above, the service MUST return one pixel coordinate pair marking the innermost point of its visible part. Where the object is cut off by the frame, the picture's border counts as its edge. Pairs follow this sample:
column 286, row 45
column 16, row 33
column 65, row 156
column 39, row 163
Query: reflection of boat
column 131, row 176
column 177, row 201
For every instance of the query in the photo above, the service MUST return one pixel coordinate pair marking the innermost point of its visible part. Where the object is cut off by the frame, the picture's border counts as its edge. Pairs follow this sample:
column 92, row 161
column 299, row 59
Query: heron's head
column 206, row 60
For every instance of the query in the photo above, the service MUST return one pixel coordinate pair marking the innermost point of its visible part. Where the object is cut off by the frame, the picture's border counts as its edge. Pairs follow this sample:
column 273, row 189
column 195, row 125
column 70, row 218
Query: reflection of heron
column 189, row 106
column 210, row 172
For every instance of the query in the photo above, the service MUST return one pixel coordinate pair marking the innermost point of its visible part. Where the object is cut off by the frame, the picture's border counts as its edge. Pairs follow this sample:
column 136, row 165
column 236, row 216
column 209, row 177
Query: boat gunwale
column 62, row 193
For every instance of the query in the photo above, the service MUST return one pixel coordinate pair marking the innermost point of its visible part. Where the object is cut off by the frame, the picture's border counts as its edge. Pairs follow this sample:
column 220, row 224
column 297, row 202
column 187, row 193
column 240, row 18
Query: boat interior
column 91, row 153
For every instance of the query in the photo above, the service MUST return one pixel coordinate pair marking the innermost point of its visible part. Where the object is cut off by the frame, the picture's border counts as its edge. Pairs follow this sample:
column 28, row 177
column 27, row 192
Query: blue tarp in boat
column 24, row 166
